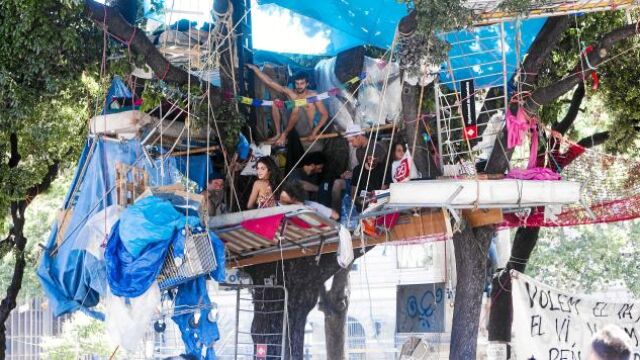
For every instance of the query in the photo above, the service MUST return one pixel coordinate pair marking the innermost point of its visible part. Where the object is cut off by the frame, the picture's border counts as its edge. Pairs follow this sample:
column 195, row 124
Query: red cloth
column 299, row 222
column 266, row 227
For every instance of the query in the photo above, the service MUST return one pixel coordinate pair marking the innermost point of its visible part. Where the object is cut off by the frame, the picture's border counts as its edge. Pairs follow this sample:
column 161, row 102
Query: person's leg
column 336, row 193
column 275, row 116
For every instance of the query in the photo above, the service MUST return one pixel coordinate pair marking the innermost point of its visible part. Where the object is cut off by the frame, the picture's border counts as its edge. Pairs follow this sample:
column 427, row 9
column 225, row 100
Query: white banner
column 549, row 324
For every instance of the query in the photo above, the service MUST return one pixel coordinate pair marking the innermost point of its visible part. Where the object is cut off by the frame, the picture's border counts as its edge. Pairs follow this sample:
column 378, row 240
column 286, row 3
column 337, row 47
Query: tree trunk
column 425, row 163
column 501, row 308
column 303, row 280
column 335, row 304
column 10, row 301
column 16, row 242
column 471, row 247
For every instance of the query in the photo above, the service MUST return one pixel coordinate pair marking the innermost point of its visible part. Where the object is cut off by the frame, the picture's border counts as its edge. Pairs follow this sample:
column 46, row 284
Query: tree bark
column 303, row 279
column 118, row 27
column 470, row 247
column 335, row 304
column 16, row 240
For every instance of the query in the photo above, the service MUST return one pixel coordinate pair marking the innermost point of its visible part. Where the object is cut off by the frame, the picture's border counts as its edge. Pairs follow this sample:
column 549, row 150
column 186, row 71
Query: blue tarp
column 476, row 53
column 356, row 22
column 373, row 22
column 71, row 276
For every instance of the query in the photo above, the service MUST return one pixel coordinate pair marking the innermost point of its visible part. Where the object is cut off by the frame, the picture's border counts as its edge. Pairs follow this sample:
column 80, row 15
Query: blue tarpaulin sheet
column 69, row 273
column 373, row 22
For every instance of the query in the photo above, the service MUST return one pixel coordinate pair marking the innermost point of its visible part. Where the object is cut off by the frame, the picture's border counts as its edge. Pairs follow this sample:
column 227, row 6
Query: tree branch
column 595, row 139
column 113, row 22
column 15, row 155
column 539, row 51
column 544, row 43
column 563, row 126
column 547, row 94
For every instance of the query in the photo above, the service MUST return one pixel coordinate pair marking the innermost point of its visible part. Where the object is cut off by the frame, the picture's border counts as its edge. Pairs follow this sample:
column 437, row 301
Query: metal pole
column 504, row 69
column 235, row 356
column 285, row 322
column 436, row 92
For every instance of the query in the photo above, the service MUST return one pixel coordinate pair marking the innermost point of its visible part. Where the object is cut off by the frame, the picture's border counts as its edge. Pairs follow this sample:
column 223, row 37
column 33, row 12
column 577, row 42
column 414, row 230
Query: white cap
column 353, row 130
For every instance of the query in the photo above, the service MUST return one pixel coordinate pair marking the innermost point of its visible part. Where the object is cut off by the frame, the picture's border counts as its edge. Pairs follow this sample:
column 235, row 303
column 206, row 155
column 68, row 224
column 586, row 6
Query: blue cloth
column 350, row 22
column 131, row 276
column 199, row 167
column 243, row 148
column 219, row 274
column 202, row 333
column 146, row 222
column 73, row 278
column 117, row 90
column 477, row 53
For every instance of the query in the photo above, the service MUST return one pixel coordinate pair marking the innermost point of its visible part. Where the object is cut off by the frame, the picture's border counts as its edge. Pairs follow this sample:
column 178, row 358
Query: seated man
column 307, row 112
column 309, row 170
column 293, row 193
column 355, row 136
column 370, row 176
column 214, row 195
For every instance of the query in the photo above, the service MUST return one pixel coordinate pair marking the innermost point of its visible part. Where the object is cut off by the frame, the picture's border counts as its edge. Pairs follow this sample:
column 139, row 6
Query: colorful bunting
column 289, row 104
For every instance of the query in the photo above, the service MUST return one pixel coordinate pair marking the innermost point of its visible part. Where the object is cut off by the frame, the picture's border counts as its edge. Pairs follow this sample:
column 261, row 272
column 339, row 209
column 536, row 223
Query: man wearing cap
column 357, row 140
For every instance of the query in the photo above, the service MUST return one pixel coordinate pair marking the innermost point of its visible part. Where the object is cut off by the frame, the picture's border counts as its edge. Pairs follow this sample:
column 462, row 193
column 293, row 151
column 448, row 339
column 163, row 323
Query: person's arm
column 253, row 198
column 270, row 83
column 307, row 186
column 291, row 124
column 324, row 116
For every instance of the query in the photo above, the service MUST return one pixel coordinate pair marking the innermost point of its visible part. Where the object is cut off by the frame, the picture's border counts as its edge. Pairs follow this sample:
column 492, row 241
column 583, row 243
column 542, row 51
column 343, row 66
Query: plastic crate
column 199, row 259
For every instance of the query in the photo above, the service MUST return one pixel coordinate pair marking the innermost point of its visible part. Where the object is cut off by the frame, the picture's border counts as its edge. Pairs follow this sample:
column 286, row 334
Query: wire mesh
column 199, row 259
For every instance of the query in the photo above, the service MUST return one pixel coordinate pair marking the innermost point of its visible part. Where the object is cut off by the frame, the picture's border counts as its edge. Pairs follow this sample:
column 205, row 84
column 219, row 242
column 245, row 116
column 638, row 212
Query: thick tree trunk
column 303, row 280
column 335, row 304
column 20, row 242
column 471, row 247
column 501, row 309
column 16, row 242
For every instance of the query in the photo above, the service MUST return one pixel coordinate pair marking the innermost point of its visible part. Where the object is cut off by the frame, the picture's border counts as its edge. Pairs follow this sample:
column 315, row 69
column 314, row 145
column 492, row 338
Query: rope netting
column 610, row 187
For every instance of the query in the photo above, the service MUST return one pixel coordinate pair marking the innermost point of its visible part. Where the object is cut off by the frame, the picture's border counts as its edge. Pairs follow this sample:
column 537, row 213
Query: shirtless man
column 308, row 111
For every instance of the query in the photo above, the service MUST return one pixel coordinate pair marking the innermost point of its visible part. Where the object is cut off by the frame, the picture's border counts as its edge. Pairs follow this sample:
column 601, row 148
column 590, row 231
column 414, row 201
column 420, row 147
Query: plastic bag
column 127, row 319
column 345, row 248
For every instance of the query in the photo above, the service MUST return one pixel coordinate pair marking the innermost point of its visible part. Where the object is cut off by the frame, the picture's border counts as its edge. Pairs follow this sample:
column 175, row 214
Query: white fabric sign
column 551, row 324
column 404, row 169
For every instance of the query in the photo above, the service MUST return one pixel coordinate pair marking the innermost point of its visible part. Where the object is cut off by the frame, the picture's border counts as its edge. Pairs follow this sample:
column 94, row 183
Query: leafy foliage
column 81, row 337
column 47, row 54
column 615, row 104
column 589, row 258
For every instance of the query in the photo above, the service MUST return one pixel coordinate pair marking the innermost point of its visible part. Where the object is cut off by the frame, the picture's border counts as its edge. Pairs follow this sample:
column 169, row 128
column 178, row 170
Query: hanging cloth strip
column 517, row 126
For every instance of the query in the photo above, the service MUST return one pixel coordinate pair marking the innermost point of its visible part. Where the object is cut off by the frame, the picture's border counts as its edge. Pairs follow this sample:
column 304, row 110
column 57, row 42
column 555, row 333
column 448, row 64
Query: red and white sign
column 261, row 351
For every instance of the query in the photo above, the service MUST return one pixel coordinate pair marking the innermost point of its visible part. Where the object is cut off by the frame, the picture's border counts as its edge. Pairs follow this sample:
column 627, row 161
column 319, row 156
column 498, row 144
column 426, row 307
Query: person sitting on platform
column 214, row 195
column 370, row 176
column 293, row 194
column 262, row 193
column 309, row 171
column 301, row 118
